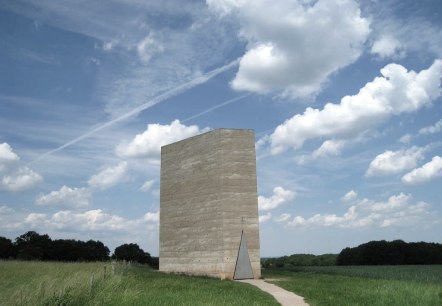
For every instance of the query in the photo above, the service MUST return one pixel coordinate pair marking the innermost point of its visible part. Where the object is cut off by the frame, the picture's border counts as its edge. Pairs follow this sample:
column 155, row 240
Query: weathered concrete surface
column 208, row 196
column 284, row 297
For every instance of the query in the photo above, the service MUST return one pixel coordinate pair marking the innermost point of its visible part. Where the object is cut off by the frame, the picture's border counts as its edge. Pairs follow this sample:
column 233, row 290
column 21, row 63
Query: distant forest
column 33, row 246
column 395, row 252
column 382, row 252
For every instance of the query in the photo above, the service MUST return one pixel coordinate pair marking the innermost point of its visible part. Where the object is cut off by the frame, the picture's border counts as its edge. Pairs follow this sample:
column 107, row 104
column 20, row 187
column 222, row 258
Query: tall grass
column 363, row 285
column 421, row 273
column 50, row 283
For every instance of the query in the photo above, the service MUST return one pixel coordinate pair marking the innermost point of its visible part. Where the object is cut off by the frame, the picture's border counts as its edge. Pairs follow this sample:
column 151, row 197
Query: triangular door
column 243, row 269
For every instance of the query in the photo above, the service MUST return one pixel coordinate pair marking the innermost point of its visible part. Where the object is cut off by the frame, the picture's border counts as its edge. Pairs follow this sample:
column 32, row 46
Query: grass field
column 51, row 283
column 363, row 285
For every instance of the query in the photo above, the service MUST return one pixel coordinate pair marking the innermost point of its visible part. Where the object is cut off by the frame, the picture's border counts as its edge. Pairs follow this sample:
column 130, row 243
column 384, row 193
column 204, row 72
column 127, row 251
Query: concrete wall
column 208, row 197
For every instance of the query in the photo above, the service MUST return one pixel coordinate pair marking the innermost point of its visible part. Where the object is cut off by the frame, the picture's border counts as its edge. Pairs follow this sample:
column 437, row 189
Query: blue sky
column 344, row 97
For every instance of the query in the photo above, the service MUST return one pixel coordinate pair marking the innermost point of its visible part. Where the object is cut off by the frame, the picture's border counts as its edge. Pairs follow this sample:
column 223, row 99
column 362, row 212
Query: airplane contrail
column 216, row 106
column 160, row 98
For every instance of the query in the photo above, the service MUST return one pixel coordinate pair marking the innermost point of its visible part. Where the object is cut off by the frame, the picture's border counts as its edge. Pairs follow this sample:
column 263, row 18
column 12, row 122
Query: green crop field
column 52, row 283
column 363, row 285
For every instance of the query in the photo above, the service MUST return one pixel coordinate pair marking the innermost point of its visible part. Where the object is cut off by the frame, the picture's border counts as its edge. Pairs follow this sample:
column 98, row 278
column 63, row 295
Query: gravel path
column 284, row 297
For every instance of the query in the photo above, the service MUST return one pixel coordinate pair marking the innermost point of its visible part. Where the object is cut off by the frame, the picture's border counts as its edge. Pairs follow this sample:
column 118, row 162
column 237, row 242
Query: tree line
column 297, row 260
column 33, row 246
column 382, row 252
column 395, row 252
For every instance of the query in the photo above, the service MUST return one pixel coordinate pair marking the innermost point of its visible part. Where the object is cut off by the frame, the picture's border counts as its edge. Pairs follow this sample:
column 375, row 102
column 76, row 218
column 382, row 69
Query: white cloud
column 264, row 218
column 396, row 211
column 147, row 185
column 283, row 217
column 148, row 47
column 281, row 36
column 149, row 143
column 109, row 176
column 13, row 177
column 391, row 162
column 397, row 91
column 34, row 219
column 152, row 217
column 396, row 33
column 427, row 172
column 349, row 196
column 7, row 156
column 66, row 197
column 91, row 220
column 20, row 179
column 325, row 220
column 279, row 197
column 96, row 220
column 387, row 46
column 436, row 128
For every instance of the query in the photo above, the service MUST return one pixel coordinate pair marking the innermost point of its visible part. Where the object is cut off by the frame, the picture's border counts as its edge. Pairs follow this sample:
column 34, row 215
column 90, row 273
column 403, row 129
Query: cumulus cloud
column 13, row 177
column 436, row 128
column 281, row 36
column 397, row 91
column 396, row 211
column 264, row 218
column 98, row 221
column 349, row 196
column 387, row 46
column 149, row 143
column 427, row 172
column 279, row 197
column 35, row 219
column 91, row 220
column 109, row 176
column 7, row 156
column 391, row 162
column 66, row 197
column 20, row 179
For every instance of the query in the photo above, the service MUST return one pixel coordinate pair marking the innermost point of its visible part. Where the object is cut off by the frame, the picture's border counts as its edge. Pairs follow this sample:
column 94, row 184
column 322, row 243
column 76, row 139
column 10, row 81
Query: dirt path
column 284, row 297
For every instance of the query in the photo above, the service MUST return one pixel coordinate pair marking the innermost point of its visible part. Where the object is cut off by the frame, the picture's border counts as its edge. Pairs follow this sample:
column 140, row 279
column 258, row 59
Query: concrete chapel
column 208, row 205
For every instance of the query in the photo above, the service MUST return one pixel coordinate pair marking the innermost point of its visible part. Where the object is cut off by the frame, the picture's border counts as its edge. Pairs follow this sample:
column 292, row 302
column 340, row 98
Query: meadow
column 362, row 285
column 55, row 283
column 102, row 283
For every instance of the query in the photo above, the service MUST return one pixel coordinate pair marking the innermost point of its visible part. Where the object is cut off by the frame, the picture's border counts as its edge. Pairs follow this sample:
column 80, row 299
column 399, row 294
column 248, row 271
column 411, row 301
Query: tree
column 33, row 246
column 132, row 252
column 95, row 250
column 7, row 248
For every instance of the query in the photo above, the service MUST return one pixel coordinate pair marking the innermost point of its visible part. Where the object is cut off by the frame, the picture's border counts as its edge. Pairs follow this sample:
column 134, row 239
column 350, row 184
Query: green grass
column 420, row 273
column 51, row 283
column 363, row 285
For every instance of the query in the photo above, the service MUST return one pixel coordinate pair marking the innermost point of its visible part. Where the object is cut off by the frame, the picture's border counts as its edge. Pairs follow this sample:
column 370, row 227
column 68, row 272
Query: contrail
column 160, row 98
column 216, row 106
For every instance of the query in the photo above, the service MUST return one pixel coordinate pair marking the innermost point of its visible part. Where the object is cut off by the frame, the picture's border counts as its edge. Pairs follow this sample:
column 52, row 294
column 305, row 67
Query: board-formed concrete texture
column 208, row 200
